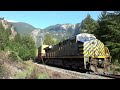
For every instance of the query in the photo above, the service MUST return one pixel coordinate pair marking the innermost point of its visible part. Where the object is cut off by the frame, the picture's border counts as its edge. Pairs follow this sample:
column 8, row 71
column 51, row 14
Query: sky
column 43, row 19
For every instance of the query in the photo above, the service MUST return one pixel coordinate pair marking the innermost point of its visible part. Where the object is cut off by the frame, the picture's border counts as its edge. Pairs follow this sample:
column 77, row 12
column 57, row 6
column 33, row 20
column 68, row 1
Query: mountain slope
column 58, row 31
column 63, row 31
column 23, row 28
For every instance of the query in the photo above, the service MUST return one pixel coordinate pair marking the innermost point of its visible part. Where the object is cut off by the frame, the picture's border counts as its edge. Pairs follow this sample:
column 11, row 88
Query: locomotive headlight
column 100, row 61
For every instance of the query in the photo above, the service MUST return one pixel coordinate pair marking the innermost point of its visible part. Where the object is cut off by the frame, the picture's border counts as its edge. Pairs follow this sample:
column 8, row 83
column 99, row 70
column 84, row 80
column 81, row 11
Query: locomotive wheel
column 93, row 65
column 94, row 68
column 106, row 65
column 106, row 69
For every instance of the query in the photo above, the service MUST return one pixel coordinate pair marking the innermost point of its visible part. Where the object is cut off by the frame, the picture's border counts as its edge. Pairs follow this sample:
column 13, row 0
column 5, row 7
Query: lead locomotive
column 83, row 51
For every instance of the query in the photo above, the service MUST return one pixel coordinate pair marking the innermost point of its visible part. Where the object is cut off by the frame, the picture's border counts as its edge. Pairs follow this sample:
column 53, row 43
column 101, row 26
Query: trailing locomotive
column 82, row 51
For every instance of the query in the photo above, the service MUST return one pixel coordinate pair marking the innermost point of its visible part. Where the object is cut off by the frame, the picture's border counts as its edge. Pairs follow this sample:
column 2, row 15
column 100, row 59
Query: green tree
column 48, row 40
column 109, row 32
column 88, row 25
column 4, row 37
column 28, row 48
column 24, row 46
column 17, row 38
column 56, row 41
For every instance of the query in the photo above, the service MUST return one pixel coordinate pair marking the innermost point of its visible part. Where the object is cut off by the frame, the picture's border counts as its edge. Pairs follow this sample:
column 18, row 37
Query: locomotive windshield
column 83, row 37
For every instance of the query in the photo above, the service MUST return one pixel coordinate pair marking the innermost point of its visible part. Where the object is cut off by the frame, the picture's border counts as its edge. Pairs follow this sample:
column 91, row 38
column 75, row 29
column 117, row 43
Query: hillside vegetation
column 16, row 55
column 23, row 46
column 18, row 69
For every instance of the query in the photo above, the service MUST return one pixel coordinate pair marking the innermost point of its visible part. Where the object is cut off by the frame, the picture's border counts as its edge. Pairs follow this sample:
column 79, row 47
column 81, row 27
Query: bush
column 25, row 48
column 26, row 72
column 117, row 69
column 14, row 56
column 42, row 76
column 28, row 48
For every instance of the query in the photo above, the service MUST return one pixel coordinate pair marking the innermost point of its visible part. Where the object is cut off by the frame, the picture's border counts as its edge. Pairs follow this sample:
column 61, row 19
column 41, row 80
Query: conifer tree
column 88, row 25
column 48, row 39
column 109, row 32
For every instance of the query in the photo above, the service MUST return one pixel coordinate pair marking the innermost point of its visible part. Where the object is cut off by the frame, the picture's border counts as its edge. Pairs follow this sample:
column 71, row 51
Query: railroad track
column 74, row 74
column 104, row 75
column 112, row 76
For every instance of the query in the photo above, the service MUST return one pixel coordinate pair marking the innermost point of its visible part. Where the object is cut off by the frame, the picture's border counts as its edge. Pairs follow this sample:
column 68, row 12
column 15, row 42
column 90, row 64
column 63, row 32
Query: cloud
column 11, row 20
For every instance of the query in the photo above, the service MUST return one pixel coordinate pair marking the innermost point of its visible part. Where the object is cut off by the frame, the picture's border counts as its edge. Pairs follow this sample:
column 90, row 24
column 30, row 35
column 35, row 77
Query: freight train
column 83, row 51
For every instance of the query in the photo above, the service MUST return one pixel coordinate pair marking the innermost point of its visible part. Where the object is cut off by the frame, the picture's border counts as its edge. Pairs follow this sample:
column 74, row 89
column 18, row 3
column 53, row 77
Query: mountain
column 23, row 28
column 58, row 31
column 63, row 31
column 77, row 28
column 37, row 36
column 60, row 27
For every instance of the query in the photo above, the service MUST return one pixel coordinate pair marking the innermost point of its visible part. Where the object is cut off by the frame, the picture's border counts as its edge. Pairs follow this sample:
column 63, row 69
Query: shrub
column 14, row 56
column 117, row 69
column 42, row 76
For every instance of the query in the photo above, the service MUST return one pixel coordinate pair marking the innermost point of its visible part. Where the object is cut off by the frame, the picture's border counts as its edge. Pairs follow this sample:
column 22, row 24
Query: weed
column 42, row 76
